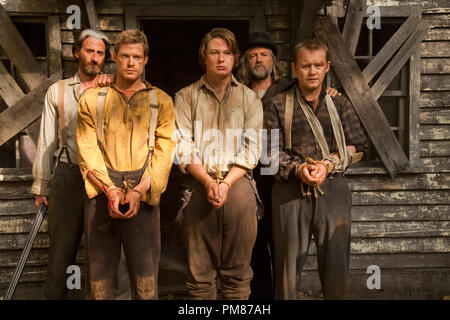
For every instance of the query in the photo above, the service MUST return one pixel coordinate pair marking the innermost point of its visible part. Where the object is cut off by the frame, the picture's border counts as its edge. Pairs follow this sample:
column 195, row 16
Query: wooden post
column 92, row 14
column 308, row 13
column 353, row 22
column 359, row 93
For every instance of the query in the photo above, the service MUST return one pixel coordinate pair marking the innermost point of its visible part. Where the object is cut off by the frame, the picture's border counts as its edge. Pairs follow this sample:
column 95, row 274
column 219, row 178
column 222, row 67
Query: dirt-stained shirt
column 50, row 139
column 219, row 133
column 125, row 138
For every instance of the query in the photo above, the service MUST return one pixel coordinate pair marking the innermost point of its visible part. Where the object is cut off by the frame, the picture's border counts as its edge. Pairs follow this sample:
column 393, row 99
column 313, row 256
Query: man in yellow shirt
column 124, row 143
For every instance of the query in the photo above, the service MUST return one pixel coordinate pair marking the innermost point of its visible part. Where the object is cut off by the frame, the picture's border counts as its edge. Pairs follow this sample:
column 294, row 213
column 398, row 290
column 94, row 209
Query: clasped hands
column 117, row 196
column 217, row 192
column 313, row 173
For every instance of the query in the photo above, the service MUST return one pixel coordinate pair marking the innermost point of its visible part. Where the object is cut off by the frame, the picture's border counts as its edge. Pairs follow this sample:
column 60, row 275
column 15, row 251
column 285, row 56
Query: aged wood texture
column 390, row 47
column 305, row 24
column 434, row 99
column 435, row 116
column 427, row 181
column 360, row 95
column 19, row 53
column 353, row 22
column 399, row 59
column 435, row 132
column 25, row 111
column 91, row 13
column 401, row 212
column 435, row 49
column 433, row 66
column 54, row 45
column 435, row 82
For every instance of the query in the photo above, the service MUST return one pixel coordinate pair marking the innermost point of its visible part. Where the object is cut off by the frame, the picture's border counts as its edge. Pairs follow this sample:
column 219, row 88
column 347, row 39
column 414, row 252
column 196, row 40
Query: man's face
column 219, row 60
column 130, row 61
column 311, row 68
column 259, row 62
column 91, row 56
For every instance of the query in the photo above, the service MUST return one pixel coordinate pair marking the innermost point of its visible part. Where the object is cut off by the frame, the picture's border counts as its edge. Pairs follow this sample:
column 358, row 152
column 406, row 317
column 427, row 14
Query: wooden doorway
column 173, row 59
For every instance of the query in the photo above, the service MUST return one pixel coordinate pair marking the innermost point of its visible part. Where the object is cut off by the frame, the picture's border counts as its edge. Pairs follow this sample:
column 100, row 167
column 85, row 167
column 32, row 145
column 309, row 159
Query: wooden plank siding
column 401, row 225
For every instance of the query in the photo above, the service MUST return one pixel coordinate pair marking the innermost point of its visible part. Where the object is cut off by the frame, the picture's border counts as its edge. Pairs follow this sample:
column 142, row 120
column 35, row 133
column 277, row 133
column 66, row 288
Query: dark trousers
column 219, row 242
column 65, row 226
column 262, row 255
column 295, row 219
column 140, row 237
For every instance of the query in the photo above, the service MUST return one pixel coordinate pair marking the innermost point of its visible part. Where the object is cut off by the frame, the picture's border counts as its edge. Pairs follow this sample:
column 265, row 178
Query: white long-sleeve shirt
column 50, row 141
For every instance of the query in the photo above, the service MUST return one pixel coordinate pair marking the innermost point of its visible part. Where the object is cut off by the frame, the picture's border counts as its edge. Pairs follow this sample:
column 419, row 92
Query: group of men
column 114, row 144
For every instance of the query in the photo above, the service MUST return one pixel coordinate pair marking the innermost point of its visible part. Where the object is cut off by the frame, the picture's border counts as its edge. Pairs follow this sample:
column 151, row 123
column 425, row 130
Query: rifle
column 26, row 251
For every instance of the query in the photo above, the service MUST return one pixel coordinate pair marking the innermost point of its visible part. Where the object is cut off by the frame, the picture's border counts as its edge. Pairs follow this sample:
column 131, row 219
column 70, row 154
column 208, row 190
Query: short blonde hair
column 311, row 45
column 219, row 33
column 131, row 36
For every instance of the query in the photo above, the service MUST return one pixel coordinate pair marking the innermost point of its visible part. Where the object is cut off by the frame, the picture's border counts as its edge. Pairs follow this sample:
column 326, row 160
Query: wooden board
column 434, row 132
column 360, row 95
column 435, row 65
column 307, row 10
column 435, row 49
column 20, row 224
column 353, row 21
column 434, row 99
column 435, row 116
column 440, row 148
column 441, row 34
column 19, row 53
column 400, row 197
column 401, row 212
column 435, row 82
column 25, row 111
column 91, row 13
column 425, row 181
column 17, row 207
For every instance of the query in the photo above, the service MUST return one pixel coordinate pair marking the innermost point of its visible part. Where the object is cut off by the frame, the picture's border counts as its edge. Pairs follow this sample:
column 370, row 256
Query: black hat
column 259, row 39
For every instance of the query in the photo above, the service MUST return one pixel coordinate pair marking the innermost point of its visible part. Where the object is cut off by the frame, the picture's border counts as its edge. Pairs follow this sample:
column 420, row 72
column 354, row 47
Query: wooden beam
column 25, row 111
column 390, row 47
column 54, row 45
column 308, row 14
column 359, row 93
column 400, row 59
column 11, row 93
column 353, row 22
column 91, row 13
column 19, row 53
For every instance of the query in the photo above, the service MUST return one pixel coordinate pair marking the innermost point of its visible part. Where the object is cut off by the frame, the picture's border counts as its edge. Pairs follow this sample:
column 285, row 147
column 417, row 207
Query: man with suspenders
column 220, row 219
column 319, row 138
column 124, row 140
column 65, row 195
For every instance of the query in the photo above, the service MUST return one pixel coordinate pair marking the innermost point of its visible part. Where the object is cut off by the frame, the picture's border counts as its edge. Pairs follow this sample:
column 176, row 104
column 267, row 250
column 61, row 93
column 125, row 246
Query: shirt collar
column 205, row 83
column 74, row 80
column 322, row 95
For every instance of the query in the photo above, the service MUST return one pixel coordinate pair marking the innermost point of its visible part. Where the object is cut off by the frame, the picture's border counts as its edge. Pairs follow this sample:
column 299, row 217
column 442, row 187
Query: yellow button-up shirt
column 125, row 138
column 219, row 133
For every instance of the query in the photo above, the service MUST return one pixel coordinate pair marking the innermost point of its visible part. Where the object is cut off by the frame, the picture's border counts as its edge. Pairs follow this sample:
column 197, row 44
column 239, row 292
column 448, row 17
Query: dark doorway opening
column 173, row 59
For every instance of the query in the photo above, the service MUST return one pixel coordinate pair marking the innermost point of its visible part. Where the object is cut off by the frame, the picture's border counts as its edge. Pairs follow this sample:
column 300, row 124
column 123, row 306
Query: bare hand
column 105, row 79
column 133, row 198
column 305, row 175
column 41, row 199
column 332, row 92
column 223, row 195
column 212, row 192
column 115, row 197
column 320, row 172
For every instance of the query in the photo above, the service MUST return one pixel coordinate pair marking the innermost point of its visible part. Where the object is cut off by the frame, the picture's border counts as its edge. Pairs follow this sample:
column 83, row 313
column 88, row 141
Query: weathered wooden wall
column 401, row 225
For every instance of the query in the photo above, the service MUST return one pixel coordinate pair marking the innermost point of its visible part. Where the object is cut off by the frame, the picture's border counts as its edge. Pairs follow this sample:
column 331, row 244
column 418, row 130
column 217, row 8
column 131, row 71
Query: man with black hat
column 260, row 70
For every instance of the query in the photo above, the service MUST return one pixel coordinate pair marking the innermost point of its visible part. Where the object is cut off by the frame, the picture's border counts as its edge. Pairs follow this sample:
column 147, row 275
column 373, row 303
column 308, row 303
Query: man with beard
column 260, row 70
column 65, row 194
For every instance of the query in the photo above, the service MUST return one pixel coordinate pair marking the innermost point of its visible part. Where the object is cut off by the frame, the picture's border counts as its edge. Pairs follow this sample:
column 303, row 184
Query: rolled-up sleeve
column 90, row 155
column 185, row 148
column 161, row 162
column 47, row 145
column 249, row 152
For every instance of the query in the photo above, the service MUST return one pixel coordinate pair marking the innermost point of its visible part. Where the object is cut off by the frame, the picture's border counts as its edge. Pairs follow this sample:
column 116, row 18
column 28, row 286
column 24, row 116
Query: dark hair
column 93, row 34
column 220, row 33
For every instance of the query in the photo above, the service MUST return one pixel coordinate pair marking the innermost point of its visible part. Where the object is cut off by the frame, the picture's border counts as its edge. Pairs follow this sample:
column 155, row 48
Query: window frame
column 412, row 150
